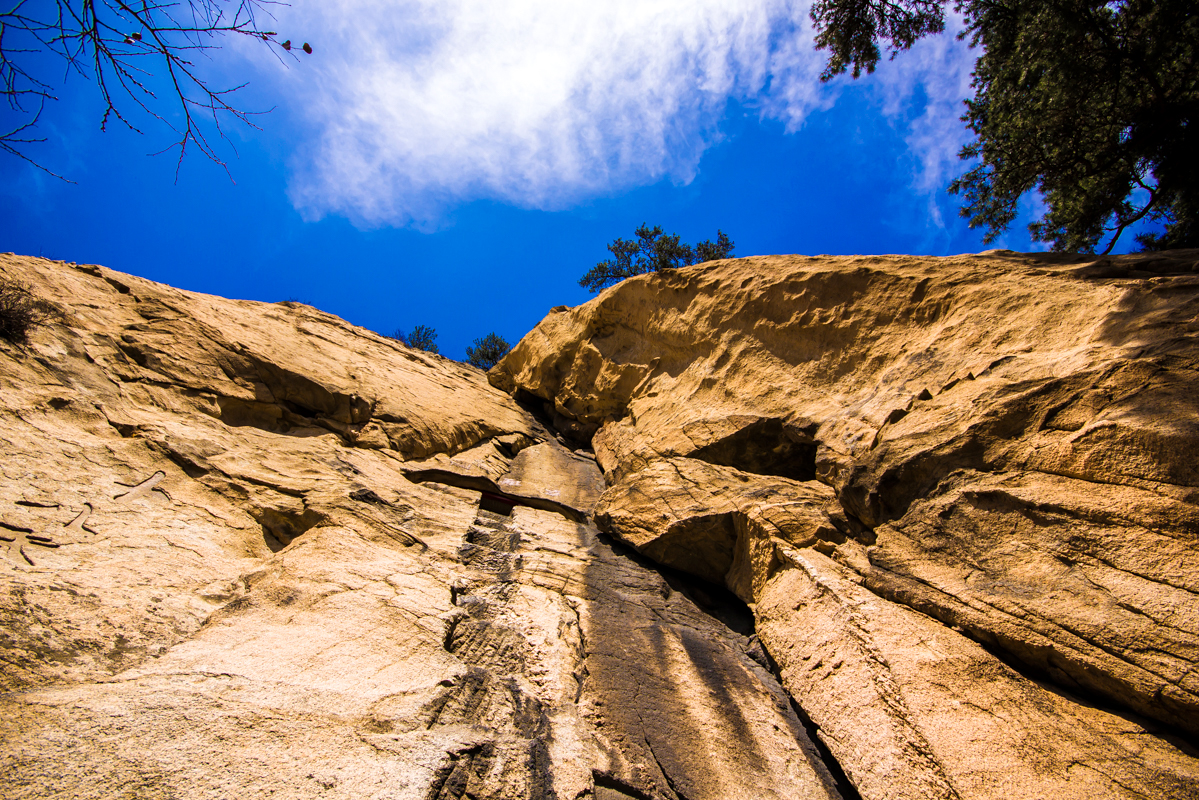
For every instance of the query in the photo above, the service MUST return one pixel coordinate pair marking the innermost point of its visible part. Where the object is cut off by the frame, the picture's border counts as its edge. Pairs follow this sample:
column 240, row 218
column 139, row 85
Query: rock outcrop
column 767, row 528
column 959, row 494
column 249, row 550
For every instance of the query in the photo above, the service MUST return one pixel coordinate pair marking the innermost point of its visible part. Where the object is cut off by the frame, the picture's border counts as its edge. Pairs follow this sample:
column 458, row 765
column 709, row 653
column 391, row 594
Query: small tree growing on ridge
column 652, row 251
column 423, row 337
column 487, row 351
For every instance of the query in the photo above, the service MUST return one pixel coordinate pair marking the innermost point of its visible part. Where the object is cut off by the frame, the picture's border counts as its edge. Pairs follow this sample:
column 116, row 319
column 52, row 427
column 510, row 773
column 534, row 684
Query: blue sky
column 462, row 163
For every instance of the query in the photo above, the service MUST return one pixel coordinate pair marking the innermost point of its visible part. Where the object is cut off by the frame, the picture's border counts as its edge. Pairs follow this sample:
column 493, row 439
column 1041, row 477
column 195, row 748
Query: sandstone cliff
column 960, row 495
column 899, row 528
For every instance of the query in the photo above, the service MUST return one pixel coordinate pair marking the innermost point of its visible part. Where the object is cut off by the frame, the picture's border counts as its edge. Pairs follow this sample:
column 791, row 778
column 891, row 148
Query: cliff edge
column 886, row 527
column 959, row 494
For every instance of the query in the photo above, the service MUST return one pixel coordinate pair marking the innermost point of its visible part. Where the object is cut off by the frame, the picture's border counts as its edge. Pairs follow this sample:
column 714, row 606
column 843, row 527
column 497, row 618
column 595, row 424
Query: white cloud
column 923, row 90
column 938, row 68
column 421, row 105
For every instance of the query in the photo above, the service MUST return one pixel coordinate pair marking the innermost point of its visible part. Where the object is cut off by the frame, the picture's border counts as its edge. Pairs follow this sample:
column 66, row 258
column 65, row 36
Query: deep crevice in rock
column 1058, row 682
column 282, row 417
column 769, row 447
column 730, row 611
column 841, row 781
column 571, row 433
column 765, row 447
column 281, row 527
column 497, row 500
column 496, row 504
column 1082, row 696
column 714, row 600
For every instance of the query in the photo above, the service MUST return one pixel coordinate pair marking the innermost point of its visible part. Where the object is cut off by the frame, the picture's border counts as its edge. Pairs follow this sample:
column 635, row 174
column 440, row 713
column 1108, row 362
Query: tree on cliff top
column 652, row 251
column 1093, row 103
column 487, row 351
column 119, row 46
column 422, row 337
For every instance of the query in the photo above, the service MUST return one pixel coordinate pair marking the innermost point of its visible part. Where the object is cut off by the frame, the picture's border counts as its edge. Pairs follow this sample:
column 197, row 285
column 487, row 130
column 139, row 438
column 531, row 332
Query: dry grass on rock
column 20, row 311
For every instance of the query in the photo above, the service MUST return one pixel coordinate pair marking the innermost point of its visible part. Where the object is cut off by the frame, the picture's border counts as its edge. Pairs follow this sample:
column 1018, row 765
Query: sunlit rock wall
column 960, row 495
column 250, row 550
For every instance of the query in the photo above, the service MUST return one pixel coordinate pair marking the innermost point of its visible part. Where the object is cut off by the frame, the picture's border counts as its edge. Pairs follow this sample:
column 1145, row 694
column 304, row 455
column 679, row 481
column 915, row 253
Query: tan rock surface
column 1010, row 439
column 250, row 550
column 702, row 518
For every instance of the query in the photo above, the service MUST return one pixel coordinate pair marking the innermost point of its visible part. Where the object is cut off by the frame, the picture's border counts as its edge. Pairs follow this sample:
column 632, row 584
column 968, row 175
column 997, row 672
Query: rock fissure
column 492, row 492
column 1046, row 659
column 841, row 782
column 1100, row 552
column 444, row 600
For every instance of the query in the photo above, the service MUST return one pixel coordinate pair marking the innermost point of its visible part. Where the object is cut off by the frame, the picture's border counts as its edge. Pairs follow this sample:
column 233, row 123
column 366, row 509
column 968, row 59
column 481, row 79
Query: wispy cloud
column 421, row 105
column 922, row 92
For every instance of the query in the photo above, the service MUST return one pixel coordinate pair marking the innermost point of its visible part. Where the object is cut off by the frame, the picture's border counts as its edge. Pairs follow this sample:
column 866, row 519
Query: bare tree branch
column 1123, row 220
column 123, row 47
column 11, row 141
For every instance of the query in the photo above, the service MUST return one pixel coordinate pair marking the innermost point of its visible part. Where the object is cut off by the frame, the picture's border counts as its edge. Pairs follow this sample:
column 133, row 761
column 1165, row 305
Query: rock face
column 250, row 550
column 959, row 495
column 787, row 528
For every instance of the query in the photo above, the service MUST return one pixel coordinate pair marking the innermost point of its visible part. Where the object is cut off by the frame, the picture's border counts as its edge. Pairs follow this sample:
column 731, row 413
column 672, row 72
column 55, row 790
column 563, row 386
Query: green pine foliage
column 851, row 30
column 487, row 351
column 422, row 337
column 1092, row 103
column 652, row 251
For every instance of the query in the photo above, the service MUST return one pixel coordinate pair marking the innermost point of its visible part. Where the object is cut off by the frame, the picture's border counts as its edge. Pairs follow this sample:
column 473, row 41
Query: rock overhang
column 952, row 492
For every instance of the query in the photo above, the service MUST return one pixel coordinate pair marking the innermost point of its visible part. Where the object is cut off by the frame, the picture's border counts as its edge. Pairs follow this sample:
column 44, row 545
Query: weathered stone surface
column 251, row 550
column 1010, row 440
column 915, row 710
column 702, row 518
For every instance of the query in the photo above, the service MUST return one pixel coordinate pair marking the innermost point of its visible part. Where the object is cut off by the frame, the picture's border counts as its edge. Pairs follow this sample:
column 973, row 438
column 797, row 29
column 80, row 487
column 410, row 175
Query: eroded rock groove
column 770, row 528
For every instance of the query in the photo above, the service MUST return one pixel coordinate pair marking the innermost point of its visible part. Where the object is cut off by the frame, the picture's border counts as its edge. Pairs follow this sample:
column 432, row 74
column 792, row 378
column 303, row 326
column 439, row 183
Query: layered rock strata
column 249, row 550
column 959, row 495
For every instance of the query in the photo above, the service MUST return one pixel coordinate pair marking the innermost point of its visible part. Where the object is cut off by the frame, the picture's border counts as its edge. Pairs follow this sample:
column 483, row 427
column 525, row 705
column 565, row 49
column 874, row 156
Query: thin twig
column 113, row 43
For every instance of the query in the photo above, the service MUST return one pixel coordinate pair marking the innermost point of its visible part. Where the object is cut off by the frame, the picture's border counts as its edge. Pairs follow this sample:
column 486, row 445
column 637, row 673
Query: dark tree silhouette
column 1094, row 103
column 120, row 46
column 652, row 251
column 487, row 351
column 423, row 337
column 852, row 30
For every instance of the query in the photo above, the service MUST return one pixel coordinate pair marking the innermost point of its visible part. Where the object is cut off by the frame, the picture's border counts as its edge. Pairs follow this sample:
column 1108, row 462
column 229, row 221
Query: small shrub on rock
column 20, row 311
column 423, row 337
column 487, row 351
